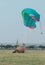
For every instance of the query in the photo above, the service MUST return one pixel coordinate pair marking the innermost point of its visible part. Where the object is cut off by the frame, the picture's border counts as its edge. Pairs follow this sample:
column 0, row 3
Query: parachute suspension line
column 41, row 28
column 27, row 32
column 26, row 36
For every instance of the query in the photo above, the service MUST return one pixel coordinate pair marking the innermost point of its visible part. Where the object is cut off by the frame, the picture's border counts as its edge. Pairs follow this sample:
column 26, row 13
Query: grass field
column 30, row 57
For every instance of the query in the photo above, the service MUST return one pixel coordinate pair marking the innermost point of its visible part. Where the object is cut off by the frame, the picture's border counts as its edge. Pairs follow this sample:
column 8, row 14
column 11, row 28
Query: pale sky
column 11, row 22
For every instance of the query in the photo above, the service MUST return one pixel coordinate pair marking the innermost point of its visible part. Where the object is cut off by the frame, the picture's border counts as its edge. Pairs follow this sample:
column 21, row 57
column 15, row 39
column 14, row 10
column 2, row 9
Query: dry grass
column 31, row 57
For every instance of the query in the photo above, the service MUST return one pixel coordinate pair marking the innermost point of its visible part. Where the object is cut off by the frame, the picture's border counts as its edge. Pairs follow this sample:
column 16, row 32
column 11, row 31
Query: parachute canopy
column 30, row 17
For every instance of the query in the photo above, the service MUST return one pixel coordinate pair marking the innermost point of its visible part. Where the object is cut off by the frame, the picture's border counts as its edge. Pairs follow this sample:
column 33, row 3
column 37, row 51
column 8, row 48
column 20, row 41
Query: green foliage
column 9, row 46
column 42, row 47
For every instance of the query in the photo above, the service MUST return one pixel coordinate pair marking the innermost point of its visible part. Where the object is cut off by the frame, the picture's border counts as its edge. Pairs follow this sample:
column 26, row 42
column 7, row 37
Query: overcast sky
column 11, row 22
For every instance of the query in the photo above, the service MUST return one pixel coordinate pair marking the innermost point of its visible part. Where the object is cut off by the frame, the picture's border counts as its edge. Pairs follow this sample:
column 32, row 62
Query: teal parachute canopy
column 30, row 17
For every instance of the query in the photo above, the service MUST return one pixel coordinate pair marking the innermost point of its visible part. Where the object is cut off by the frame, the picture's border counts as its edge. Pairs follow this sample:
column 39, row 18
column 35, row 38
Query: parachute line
column 41, row 28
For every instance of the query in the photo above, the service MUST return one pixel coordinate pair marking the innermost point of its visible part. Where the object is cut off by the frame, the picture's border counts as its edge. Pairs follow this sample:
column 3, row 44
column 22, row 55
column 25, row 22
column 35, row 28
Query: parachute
column 30, row 17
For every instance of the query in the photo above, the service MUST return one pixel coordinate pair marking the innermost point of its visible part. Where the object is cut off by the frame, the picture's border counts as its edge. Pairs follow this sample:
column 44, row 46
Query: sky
column 11, row 22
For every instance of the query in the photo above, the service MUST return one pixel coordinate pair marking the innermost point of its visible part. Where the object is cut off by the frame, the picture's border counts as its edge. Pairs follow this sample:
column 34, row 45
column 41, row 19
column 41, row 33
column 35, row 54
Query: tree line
column 9, row 46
